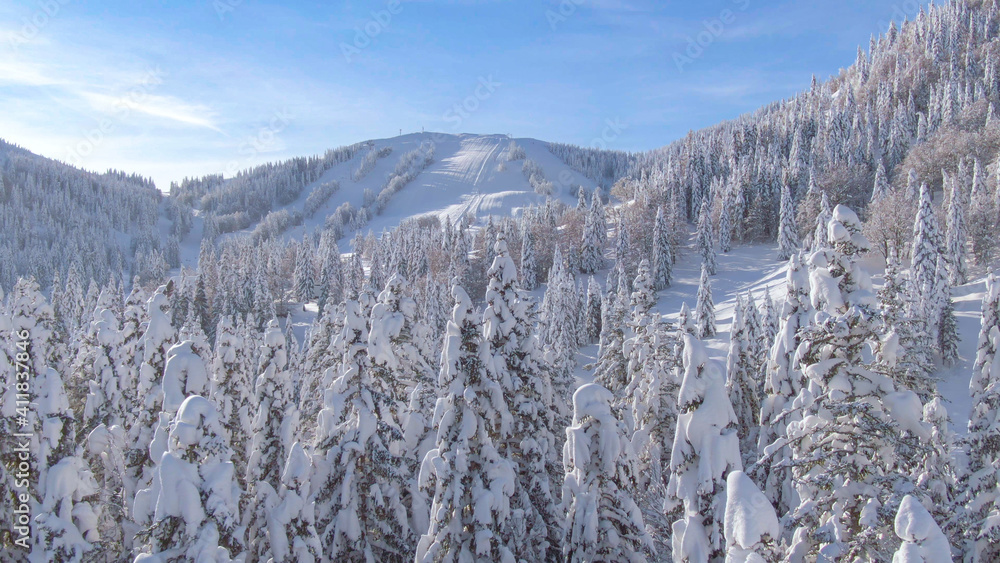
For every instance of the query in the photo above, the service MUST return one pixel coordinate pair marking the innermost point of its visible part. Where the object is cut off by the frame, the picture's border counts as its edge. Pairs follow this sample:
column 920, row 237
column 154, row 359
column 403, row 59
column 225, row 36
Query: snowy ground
column 755, row 268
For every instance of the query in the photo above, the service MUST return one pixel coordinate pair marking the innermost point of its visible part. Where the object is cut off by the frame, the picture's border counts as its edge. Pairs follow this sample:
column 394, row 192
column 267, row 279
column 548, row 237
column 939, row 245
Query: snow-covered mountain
column 379, row 183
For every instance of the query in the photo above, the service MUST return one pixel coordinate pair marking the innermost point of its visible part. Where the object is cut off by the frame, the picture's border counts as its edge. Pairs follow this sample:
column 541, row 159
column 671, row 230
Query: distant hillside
column 54, row 216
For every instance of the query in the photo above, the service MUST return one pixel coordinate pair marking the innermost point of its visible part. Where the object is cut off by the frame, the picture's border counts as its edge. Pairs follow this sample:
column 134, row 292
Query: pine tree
column 68, row 513
column 788, row 234
column 612, row 369
column 956, row 235
column 232, row 394
column 559, row 324
column 105, row 400
column 529, row 271
column 594, row 236
column 155, row 342
column 706, row 239
column 472, row 482
column 592, row 312
column 292, row 532
column 705, row 450
column 197, row 513
column 663, row 257
column 515, row 362
column 704, row 311
column 947, row 326
column 982, row 495
column 740, row 383
column 820, row 236
column 923, row 266
column 360, row 509
column 725, row 229
column 982, row 216
column 782, row 383
column 841, row 490
column 598, row 491
column 273, row 433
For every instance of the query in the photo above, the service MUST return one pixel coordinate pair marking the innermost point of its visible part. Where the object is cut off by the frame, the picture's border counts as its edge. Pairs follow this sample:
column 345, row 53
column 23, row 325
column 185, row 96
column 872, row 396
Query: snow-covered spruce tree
column 769, row 319
column 819, row 239
column 985, row 347
column 923, row 267
column 154, row 343
column 842, row 489
column 663, row 255
column 956, row 234
column 982, row 494
column 184, row 374
column 603, row 522
column 398, row 350
column 67, row 518
column 559, row 325
column 130, row 347
column 592, row 314
column 788, row 233
column 303, row 277
column 947, row 325
column 706, row 448
column 685, row 321
column 529, row 268
column 359, row 480
column 706, row 238
column 741, row 384
column 725, row 228
column 197, row 498
column 472, row 482
column 232, row 394
column 595, row 232
column 515, row 362
column 273, row 429
column 782, row 383
column 982, row 216
column 900, row 353
column 291, row 520
column 923, row 541
column 398, row 346
column 623, row 244
column 612, row 367
column 649, row 406
column 643, row 296
column 751, row 525
column 704, row 311
column 105, row 400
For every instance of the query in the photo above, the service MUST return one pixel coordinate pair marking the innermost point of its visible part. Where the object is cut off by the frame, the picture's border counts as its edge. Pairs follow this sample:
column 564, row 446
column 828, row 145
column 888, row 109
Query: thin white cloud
column 166, row 107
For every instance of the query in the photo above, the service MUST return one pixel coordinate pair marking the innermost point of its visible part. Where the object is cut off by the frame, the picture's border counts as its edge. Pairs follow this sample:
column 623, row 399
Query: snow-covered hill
column 468, row 174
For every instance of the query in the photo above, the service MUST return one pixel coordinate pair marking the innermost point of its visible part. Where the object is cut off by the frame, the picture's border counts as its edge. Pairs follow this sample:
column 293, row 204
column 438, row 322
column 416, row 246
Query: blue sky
column 171, row 89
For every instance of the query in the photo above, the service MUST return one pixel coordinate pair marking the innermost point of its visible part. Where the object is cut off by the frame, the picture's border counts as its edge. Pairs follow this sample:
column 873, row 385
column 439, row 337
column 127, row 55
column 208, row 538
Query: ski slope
column 470, row 174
